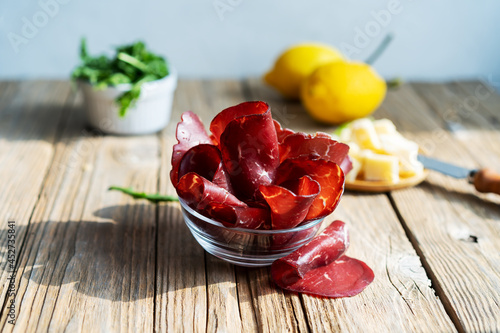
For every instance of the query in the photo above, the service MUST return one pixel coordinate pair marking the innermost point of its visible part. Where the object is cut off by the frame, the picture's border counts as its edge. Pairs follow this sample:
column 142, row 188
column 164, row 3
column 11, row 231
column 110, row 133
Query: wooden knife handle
column 486, row 180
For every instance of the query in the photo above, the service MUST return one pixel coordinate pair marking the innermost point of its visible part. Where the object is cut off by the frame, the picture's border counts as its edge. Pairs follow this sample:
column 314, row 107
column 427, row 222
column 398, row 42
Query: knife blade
column 446, row 168
column 484, row 180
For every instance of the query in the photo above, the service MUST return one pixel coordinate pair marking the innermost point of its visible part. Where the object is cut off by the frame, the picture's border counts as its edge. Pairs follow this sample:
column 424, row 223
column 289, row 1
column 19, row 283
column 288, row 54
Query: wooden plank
column 401, row 298
column 8, row 89
column 26, row 151
column 223, row 313
column 463, row 116
column 90, row 258
column 480, row 97
column 181, row 298
column 454, row 229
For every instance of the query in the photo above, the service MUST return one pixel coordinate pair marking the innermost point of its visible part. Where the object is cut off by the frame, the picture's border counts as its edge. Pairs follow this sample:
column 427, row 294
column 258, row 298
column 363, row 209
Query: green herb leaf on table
column 340, row 128
column 141, row 195
column 133, row 64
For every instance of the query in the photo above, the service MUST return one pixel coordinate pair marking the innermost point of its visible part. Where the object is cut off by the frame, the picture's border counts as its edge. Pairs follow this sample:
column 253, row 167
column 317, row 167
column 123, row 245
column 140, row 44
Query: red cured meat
column 219, row 123
column 249, row 149
column 329, row 176
column 206, row 161
column 342, row 278
column 346, row 165
column 221, row 178
column 202, row 159
column 290, row 202
column 319, row 267
column 282, row 133
column 215, row 202
column 320, row 145
column 239, row 217
column 323, row 249
column 198, row 192
column 190, row 132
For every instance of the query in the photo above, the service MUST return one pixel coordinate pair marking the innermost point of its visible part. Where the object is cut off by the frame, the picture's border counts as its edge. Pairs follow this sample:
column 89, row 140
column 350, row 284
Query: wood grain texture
column 223, row 314
column 455, row 229
column 181, row 298
column 481, row 97
column 463, row 116
column 92, row 260
column 401, row 298
column 90, row 254
column 26, row 151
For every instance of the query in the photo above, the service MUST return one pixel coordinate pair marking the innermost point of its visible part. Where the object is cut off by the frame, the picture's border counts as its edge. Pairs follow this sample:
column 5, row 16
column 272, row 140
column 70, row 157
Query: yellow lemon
column 297, row 63
column 342, row 91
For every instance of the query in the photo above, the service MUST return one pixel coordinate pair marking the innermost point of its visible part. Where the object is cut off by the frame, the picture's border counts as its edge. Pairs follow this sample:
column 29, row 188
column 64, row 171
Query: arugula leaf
column 132, row 64
column 141, row 195
column 129, row 98
column 117, row 78
column 132, row 61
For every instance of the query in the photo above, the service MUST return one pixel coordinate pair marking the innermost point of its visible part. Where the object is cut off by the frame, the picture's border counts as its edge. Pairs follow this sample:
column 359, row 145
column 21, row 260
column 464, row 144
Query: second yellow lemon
column 296, row 63
column 342, row 91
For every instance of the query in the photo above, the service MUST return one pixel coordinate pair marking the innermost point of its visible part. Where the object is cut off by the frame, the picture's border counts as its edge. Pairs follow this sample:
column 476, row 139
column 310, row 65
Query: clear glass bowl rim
column 308, row 225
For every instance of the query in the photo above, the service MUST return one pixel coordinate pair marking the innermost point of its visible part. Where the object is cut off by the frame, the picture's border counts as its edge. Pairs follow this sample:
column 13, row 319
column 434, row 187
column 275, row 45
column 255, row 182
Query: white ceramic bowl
column 150, row 114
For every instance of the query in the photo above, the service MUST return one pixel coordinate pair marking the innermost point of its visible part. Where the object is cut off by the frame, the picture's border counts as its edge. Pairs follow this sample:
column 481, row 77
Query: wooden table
column 93, row 260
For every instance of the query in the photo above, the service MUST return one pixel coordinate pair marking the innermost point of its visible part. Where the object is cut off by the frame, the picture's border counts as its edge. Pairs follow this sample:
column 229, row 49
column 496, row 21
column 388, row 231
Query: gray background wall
column 433, row 40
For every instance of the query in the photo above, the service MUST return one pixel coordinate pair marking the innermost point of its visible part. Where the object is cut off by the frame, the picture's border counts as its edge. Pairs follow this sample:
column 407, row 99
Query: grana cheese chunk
column 363, row 133
column 378, row 167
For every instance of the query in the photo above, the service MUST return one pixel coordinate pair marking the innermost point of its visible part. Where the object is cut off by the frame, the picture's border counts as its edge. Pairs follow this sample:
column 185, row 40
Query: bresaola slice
column 320, row 268
column 206, row 161
column 238, row 216
column 346, row 165
column 323, row 249
column 221, row 120
column 202, row 159
column 344, row 277
column 215, row 202
column 249, row 147
column 190, row 132
column 329, row 176
column 290, row 202
column 281, row 132
column 198, row 192
column 320, row 145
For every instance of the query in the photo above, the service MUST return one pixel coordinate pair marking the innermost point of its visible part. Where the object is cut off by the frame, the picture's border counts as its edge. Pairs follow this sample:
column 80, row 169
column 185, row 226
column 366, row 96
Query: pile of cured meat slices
column 252, row 173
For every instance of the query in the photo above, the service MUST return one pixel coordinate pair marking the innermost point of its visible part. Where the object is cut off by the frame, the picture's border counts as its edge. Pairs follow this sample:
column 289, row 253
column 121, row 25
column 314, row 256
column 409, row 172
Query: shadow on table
column 115, row 256
column 484, row 205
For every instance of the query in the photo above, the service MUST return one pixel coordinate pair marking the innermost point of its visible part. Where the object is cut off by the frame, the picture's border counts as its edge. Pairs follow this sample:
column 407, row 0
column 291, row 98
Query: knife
column 485, row 180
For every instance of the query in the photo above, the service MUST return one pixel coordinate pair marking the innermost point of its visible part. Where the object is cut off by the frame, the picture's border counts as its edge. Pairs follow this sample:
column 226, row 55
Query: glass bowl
column 246, row 247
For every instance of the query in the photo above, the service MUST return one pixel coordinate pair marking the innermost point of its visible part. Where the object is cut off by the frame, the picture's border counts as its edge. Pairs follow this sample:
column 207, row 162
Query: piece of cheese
column 356, row 168
column 378, row 167
column 354, row 150
column 363, row 133
column 384, row 126
column 405, row 150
